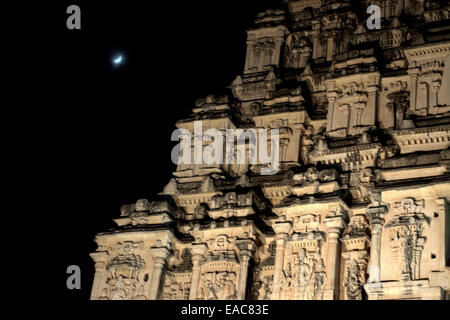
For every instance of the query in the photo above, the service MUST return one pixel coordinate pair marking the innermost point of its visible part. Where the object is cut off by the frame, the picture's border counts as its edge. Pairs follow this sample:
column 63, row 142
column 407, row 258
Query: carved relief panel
column 219, row 272
column 303, row 276
column 355, row 277
column 221, row 269
column 125, row 273
column 405, row 236
column 355, row 251
column 217, row 286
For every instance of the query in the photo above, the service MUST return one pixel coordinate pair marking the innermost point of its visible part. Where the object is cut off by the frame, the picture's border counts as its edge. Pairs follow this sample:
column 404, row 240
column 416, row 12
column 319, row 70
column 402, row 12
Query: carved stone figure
column 320, row 277
column 402, row 242
column 120, row 290
column 353, row 282
column 304, row 274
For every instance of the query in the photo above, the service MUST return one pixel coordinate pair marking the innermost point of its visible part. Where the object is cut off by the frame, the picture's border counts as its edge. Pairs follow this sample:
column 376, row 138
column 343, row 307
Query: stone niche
column 196, row 135
column 429, row 70
column 304, row 273
column 310, row 264
column 352, row 104
column 405, row 234
column 218, row 280
column 222, row 267
column 394, row 106
column 264, row 48
column 413, row 251
column 291, row 126
column 355, row 253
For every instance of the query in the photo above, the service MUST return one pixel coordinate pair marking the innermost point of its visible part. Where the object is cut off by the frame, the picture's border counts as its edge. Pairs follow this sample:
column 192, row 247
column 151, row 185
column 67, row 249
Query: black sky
column 108, row 130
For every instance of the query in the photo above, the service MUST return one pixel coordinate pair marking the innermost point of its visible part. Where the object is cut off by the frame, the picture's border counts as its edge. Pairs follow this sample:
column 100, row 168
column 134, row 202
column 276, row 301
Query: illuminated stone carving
column 359, row 206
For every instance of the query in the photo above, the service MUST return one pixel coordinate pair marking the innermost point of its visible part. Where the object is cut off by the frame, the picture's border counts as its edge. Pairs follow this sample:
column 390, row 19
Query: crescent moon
column 118, row 60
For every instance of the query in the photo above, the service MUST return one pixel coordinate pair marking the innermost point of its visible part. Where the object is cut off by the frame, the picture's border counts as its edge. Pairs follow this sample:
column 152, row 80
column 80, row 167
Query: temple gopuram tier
column 360, row 206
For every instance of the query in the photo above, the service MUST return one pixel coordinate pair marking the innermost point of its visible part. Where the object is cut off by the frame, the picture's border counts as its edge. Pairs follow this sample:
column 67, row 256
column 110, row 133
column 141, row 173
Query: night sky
column 108, row 129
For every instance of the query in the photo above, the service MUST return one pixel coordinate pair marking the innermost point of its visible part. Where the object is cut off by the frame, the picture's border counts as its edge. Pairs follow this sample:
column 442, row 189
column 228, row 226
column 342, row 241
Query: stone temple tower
column 359, row 204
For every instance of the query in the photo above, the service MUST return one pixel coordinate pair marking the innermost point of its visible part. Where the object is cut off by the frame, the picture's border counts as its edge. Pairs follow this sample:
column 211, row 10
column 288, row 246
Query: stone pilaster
column 376, row 216
column 198, row 252
column 413, row 75
column 335, row 226
column 435, row 86
column 160, row 256
column 277, row 52
column 331, row 99
column 248, row 58
column 100, row 273
column 246, row 248
column 283, row 230
column 316, row 40
column 372, row 105
column 442, row 207
column 330, row 47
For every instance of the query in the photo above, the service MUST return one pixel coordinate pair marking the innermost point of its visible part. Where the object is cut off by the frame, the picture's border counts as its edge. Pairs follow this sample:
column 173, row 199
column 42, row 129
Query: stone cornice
column 359, row 147
column 428, row 51
column 412, row 131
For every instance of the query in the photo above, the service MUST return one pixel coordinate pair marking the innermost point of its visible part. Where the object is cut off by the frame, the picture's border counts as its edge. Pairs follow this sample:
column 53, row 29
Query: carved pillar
column 282, row 229
column 355, row 116
column 330, row 47
column 245, row 258
column 372, row 104
column 443, row 233
column 316, row 42
column 331, row 99
column 198, row 251
column 335, row 226
column 100, row 273
column 435, row 86
column 422, row 95
column 248, row 59
column 246, row 248
column 392, row 9
column 297, row 141
column 376, row 216
column 276, row 54
column 413, row 75
column 383, row 9
column 160, row 256
column 262, row 57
